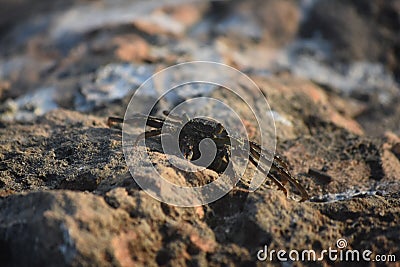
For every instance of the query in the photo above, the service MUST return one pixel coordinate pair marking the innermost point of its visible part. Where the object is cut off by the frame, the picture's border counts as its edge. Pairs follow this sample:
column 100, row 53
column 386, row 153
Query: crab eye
column 219, row 128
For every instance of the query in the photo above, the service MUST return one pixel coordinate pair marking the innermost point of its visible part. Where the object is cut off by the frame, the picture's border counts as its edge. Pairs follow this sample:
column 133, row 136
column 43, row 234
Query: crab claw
column 187, row 152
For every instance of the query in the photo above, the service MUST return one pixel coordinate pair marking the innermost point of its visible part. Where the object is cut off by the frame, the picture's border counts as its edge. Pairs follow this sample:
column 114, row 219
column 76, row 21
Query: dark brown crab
column 192, row 131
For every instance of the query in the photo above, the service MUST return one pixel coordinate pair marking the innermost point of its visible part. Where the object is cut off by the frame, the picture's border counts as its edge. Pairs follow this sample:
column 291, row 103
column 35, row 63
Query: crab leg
column 146, row 135
column 277, row 159
column 176, row 118
column 254, row 157
column 113, row 121
column 277, row 166
column 269, row 175
column 255, row 150
column 150, row 121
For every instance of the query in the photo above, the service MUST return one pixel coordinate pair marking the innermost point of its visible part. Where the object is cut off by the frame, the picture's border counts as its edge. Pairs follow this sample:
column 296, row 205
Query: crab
column 192, row 131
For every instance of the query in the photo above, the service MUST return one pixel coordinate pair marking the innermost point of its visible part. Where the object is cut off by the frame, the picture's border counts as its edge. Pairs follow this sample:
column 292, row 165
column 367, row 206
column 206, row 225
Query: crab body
column 192, row 132
column 198, row 129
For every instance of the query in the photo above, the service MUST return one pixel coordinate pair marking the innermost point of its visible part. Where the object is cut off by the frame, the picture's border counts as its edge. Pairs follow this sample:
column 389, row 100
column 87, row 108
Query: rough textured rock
column 67, row 197
column 92, row 212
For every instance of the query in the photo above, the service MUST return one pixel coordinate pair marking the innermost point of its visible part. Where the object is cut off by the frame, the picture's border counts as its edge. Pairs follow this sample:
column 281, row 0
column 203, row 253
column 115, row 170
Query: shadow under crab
column 192, row 131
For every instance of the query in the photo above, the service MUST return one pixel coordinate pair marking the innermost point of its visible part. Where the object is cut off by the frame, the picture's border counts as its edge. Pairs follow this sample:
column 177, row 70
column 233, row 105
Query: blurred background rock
column 54, row 50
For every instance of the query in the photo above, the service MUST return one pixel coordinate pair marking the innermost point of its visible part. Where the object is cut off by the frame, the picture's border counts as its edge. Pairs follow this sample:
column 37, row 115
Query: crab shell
column 198, row 129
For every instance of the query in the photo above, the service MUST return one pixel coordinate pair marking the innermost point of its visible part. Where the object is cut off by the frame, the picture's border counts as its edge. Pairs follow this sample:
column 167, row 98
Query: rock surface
column 67, row 197
column 66, row 191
